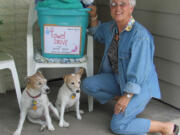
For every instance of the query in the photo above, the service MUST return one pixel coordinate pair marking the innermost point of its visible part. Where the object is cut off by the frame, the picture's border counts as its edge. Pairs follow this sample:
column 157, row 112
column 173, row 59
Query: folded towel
column 73, row 4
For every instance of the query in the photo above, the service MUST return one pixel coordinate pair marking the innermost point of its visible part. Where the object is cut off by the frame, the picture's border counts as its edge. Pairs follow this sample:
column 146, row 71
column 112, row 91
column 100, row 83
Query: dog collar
column 33, row 96
column 73, row 95
column 34, row 104
column 69, row 88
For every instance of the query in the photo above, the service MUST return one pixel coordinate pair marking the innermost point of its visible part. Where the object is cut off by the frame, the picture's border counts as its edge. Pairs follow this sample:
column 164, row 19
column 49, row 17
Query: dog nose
column 47, row 90
column 77, row 91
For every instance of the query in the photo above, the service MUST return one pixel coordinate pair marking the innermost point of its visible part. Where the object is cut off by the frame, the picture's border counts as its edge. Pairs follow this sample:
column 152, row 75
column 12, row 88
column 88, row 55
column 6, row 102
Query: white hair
column 132, row 2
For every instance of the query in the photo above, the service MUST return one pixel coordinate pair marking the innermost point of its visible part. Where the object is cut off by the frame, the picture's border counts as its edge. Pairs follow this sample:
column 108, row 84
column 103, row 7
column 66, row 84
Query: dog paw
column 16, row 133
column 79, row 117
column 43, row 127
column 66, row 124
column 51, row 128
column 60, row 124
column 81, row 111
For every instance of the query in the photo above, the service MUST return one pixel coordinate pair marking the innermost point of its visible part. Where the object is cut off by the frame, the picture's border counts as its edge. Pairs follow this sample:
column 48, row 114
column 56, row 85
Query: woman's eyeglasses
column 121, row 4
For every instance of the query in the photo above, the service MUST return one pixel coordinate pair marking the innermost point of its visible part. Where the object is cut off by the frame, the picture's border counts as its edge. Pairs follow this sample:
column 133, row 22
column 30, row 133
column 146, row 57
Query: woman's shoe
column 176, row 129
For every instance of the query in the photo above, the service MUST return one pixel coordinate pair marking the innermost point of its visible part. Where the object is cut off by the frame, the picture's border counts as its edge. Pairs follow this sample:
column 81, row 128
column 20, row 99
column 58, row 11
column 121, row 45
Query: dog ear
column 28, row 81
column 81, row 71
column 65, row 78
column 39, row 73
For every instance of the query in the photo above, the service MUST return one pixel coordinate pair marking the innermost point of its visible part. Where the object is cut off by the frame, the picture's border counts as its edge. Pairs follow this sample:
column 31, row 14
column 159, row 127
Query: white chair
column 7, row 62
column 33, row 66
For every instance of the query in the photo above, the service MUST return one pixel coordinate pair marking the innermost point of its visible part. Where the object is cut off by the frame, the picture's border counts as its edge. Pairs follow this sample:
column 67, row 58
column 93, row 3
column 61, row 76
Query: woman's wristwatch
column 128, row 95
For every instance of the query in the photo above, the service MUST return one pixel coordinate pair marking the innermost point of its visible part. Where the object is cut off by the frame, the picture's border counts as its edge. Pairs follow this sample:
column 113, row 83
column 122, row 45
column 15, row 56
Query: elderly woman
column 127, row 72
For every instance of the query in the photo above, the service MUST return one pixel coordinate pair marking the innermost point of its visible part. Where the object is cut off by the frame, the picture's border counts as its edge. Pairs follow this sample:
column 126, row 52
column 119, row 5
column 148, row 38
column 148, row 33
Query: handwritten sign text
column 62, row 39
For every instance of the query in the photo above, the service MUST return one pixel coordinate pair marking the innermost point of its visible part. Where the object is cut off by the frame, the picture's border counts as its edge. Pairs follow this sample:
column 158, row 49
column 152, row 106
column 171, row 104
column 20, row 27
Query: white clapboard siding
column 102, row 2
column 167, row 48
column 168, row 71
column 170, row 93
column 160, row 24
column 166, row 6
column 162, row 18
column 13, row 33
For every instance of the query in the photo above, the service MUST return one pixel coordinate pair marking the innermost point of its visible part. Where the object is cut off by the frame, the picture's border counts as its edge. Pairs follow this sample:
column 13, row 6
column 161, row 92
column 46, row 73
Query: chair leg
column 90, row 103
column 90, row 98
column 16, row 82
column 2, row 83
column 31, row 71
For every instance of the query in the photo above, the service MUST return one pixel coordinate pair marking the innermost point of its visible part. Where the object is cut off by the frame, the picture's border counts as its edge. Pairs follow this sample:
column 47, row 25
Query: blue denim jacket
column 135, row 57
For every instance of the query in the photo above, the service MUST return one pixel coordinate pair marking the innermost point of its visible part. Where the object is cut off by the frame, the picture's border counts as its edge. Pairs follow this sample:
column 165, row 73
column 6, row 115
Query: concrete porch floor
column 94, row 123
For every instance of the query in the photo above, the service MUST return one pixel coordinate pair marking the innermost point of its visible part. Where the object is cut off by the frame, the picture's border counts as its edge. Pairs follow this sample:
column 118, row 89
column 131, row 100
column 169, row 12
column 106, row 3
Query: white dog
column 69, row 96
column 35, row 104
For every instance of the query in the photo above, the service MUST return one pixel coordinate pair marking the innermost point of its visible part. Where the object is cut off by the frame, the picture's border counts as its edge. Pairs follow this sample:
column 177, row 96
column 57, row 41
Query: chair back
column 32, row 14
column 32, row 18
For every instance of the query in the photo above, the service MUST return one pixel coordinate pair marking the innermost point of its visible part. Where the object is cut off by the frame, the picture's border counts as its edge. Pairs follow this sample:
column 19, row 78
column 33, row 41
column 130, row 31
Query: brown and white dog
column 35, row 103
column 69, row 96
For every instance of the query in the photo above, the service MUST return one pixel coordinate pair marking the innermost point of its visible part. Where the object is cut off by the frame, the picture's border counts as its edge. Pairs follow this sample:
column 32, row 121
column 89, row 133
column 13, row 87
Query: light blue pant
column 103, row 87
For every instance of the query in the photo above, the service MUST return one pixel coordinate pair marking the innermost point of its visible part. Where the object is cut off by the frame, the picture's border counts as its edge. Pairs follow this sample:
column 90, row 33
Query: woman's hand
column 93, row 11
column 121, row 104
column 93, row 15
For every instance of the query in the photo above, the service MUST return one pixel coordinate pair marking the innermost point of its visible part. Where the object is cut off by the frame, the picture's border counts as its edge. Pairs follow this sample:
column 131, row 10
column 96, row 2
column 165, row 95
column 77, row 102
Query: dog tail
column 54, row 110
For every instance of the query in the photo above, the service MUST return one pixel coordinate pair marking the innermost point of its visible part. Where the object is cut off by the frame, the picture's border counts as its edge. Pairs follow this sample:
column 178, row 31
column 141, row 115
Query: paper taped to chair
column 62, row 39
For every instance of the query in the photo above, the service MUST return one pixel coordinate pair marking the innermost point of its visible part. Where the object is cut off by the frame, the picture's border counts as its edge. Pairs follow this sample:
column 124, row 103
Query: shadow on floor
column 94, row 123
